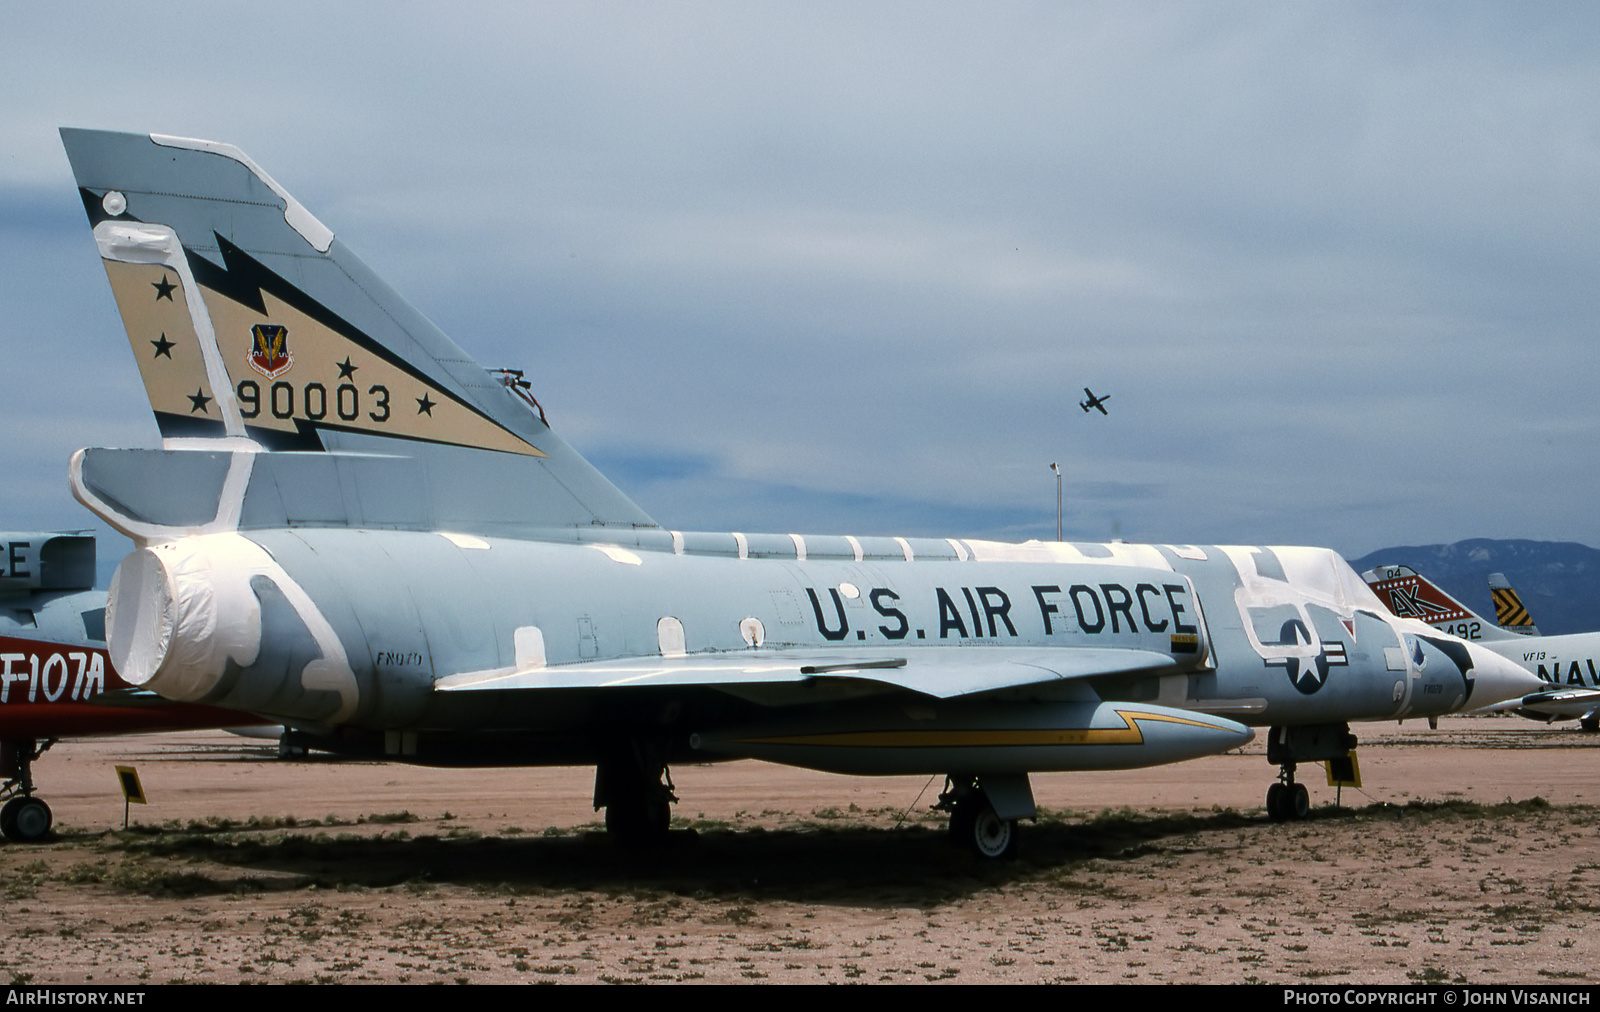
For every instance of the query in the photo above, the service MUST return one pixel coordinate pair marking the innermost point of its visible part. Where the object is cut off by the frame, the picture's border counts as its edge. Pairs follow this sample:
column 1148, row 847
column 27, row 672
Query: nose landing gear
column 1287, row 800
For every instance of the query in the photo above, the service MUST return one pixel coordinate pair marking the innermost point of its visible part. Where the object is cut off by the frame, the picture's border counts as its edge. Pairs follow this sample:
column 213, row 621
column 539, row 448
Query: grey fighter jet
column 353, row 528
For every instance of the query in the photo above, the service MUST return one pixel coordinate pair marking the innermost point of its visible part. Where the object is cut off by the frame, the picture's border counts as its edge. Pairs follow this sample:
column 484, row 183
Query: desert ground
column 1471, row 854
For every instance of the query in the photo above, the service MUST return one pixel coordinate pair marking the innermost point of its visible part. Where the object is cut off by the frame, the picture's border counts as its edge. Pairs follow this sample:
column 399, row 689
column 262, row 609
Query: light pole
column 1057, row 469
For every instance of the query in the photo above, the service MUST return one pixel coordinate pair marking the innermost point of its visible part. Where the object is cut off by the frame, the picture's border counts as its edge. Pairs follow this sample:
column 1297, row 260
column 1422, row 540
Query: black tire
column 1590, row 722
column 25, row 820
column 961, row 824
column 638, row 822
column 1297, row 802
column 1277, row 810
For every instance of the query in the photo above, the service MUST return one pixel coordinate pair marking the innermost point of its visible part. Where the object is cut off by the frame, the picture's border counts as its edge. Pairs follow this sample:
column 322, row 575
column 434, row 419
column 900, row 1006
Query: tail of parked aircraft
column 256, row 329
column 1509, row 612
column 1410, row 595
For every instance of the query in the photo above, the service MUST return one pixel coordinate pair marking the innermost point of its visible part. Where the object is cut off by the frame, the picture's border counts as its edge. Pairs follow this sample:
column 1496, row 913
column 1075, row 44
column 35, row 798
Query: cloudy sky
column 846, row 267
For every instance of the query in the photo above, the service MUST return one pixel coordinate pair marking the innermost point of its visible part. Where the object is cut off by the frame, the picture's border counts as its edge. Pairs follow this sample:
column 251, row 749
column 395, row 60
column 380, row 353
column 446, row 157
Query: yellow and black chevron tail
column 1509, row 612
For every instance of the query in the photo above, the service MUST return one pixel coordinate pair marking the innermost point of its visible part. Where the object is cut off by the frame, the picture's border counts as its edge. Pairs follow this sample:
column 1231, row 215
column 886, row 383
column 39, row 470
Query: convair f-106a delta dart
column 354, row 529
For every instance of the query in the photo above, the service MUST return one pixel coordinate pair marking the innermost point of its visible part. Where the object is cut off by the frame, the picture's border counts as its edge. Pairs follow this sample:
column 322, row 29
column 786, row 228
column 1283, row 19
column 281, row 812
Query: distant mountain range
column 1558, row 581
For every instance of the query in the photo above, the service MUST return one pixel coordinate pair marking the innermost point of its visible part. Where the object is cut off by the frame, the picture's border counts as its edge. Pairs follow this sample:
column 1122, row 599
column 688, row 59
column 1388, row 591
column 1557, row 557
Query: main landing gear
column 23, row 818
column 984, row 814
column 1288, row 801
column 632, row 784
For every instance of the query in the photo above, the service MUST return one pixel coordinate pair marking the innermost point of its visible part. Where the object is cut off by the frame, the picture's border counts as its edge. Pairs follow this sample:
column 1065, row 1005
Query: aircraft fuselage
column 416, row 634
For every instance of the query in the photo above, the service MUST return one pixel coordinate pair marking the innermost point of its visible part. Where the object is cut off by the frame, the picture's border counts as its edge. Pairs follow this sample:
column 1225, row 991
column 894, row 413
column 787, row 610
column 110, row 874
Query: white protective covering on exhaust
column 178, row 612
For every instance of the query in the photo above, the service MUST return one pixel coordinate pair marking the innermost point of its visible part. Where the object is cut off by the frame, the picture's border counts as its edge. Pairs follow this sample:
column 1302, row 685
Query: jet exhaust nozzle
column 177, row 613
column 213, row 618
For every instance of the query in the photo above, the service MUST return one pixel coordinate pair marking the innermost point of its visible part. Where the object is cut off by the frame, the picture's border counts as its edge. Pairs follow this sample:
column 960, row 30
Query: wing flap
column 940, row 673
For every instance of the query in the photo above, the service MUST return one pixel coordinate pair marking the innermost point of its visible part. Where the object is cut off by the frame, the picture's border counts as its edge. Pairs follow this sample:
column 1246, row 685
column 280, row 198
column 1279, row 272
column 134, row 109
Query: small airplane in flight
column 354, row 529
column 54, row 672
column 1569, row 665
column 1094, row 402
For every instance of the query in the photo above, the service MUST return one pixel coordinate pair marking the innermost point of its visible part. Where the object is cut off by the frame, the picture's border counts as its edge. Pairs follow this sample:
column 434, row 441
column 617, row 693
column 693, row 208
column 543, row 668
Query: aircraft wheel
column 1297, row 802
column 25, row 820
column 961, row 821
column 992, row 837
column 1590, row 723
column 638, row 821
column 1277, row 811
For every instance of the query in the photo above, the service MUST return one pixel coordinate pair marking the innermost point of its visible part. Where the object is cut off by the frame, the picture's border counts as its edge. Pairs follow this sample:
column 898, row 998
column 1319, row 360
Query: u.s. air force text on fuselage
column 1103, row 607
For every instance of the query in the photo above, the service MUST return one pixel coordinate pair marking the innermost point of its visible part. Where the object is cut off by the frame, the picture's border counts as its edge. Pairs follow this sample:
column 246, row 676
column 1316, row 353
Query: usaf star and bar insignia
column 1311, row 673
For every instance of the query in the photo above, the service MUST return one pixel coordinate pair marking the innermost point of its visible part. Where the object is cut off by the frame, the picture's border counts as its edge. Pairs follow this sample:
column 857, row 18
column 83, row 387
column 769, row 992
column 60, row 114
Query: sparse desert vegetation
column 833, row 882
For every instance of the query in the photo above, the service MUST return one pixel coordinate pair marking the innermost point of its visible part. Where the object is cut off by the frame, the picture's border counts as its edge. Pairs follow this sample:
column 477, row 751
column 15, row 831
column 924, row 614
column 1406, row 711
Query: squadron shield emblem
column 269, row 350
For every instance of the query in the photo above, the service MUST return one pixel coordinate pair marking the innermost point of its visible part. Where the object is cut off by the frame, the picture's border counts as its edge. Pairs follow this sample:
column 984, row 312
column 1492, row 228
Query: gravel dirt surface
column 1471, row 855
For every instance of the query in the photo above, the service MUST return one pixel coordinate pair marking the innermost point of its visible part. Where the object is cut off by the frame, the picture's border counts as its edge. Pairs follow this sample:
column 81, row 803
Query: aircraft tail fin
column 1410, row 595
column 1509, row 611
column 255, row 328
